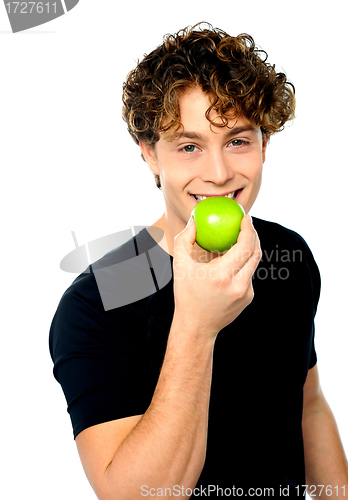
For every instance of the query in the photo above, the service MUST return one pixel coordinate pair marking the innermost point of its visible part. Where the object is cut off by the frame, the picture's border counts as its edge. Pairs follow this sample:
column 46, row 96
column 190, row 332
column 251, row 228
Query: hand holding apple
column 218, row 220
column 210, row 295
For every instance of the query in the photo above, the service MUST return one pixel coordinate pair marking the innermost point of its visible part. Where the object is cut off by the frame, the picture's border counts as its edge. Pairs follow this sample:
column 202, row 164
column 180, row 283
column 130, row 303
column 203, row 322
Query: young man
column 208, row 385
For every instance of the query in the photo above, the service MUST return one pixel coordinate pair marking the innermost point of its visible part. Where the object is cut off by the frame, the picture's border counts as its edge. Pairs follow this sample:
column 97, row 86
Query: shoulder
column 274, row 235
column 275, row 232
column 284, row 245
column 112, row 294
column 120, row 273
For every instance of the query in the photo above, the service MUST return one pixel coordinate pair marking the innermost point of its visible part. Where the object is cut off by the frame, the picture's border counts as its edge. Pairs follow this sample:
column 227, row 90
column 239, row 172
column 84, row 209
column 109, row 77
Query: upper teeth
column 229, row 195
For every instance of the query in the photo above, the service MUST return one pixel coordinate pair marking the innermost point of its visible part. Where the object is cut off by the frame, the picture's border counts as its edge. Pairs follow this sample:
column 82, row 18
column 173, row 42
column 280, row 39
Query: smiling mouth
column 233, row 195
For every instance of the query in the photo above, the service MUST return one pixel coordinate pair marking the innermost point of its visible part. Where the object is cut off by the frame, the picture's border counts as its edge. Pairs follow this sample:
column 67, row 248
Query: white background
column 68, row 164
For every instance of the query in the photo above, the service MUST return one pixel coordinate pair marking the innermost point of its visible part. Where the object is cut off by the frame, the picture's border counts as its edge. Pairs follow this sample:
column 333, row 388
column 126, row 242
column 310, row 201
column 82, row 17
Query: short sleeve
column 100, row 369
column 315, row 285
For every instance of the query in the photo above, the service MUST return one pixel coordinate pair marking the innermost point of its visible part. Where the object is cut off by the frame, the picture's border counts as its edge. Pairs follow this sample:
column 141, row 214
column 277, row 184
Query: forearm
column 167, row 446
column 326, row 463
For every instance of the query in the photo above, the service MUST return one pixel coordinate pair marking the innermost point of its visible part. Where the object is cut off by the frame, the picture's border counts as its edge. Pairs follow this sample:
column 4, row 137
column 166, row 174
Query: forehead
column 197, row 117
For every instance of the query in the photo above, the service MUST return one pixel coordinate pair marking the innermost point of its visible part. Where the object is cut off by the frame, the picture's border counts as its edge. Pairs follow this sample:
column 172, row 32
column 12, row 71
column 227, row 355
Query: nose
column 218, row 169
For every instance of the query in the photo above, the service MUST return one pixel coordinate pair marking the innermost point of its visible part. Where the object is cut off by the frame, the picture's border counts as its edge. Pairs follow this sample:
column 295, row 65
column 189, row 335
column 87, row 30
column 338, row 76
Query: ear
column 149, row 154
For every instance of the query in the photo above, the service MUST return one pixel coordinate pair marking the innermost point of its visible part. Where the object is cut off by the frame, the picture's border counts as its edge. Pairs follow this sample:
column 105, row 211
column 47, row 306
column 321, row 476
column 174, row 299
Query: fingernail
column 251, row 220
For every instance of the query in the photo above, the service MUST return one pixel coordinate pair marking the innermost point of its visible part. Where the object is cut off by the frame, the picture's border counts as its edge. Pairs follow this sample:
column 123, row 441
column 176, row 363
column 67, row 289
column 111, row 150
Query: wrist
column 189, row 330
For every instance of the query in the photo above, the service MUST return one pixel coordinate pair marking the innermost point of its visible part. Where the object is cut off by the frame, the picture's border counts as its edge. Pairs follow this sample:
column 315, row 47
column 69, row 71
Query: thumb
column 190, row 231
column 187, row 237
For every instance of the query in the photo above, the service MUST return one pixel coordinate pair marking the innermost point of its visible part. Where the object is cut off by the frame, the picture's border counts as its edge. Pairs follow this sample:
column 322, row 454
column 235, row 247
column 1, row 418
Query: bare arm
column 326, row 463
column 166, row 446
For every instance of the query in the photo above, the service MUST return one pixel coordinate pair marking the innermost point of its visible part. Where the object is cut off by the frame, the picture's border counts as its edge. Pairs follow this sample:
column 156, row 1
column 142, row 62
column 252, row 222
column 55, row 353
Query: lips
column 232, row 194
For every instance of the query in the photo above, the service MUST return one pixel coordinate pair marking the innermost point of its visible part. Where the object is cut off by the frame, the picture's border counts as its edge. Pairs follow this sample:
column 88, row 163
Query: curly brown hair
column 232, row 69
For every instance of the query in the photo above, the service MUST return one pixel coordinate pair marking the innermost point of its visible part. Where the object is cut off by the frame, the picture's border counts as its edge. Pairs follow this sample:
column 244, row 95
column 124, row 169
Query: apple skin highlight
column 218, row 220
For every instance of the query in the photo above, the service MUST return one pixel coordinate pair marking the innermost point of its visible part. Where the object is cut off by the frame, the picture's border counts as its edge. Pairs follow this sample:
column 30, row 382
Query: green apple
column 218, row 221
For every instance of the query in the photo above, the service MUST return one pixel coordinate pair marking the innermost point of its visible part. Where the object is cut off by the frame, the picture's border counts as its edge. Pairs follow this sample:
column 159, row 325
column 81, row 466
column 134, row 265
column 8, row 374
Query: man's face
column 205, row 160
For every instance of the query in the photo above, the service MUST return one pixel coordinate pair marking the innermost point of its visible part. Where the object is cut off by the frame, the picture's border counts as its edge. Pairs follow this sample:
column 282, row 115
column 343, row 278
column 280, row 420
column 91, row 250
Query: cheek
column 255, row 179
column 166, row 178
column 255, row 172
column 258, row 175
column 175, row 177
column 171, row 183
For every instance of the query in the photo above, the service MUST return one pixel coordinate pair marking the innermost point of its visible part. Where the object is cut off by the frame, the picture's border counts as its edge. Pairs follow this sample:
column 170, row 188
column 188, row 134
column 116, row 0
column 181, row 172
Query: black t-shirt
column 109, row 334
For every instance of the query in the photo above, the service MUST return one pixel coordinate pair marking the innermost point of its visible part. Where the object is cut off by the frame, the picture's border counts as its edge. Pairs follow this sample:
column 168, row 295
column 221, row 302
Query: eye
column 190, row 148
column 237, row 142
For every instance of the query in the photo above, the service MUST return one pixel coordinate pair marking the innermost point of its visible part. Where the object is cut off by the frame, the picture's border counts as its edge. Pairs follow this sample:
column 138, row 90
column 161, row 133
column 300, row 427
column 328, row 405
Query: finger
column 241, row 252
column 258, row 249
column 247, row 231
column 246, row 272
column 186, row 239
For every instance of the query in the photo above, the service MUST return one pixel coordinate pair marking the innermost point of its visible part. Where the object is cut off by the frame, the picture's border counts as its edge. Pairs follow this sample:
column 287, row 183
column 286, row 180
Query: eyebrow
column 200, row 137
